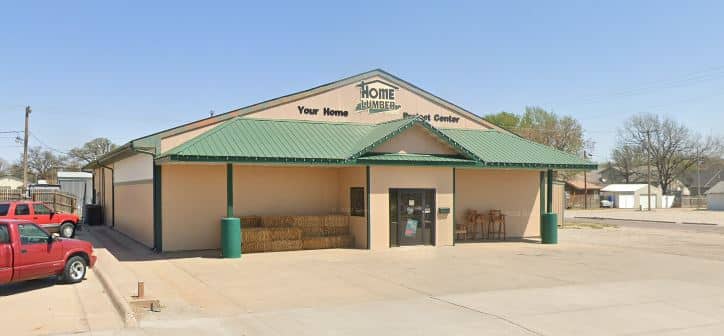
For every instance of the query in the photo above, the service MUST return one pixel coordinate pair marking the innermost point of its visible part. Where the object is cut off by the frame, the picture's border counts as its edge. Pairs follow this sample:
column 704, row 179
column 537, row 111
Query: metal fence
column 58, row 200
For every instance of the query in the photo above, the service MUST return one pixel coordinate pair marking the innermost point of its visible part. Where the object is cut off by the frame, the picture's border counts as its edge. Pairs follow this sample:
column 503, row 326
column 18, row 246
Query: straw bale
column 313, row 243
column 283, row 233
column 249, row 235
column 258, row 246
column 250, row 221
column 286, row 245
column 277, row 221
column 336, row 220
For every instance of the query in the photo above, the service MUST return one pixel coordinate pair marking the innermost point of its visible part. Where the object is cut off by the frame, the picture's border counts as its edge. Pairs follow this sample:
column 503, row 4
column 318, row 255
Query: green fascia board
column 414, row 159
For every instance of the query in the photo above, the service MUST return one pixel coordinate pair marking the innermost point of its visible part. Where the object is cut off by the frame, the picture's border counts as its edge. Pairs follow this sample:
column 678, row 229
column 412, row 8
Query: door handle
column 23, row 251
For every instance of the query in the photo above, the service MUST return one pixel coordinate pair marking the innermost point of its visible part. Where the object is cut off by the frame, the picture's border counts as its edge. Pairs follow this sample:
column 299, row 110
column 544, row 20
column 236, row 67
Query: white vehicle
column 606, row 204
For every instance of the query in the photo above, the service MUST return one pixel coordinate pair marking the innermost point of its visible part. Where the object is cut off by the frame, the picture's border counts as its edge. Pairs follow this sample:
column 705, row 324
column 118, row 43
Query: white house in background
column 715, row 196
column 10, row 182
column 632, row 196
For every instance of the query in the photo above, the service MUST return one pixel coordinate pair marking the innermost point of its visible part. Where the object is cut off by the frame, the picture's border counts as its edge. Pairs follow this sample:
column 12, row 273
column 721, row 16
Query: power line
column 46, row 145
column 691, row 78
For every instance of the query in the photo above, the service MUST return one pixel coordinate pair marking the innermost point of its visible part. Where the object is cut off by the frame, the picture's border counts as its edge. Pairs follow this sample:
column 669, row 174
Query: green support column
column 542, row 188
column 230, row 225
column 549, row 191
column 229, row 190
column 549, row 220
column 157, row 210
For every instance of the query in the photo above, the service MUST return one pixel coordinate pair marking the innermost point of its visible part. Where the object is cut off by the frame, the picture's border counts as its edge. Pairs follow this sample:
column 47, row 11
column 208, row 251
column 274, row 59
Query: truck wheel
column 74, row 270
column 67, row 230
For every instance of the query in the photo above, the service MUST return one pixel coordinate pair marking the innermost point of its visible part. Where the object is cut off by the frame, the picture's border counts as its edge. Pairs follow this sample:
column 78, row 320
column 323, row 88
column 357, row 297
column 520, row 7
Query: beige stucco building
column 404, row 165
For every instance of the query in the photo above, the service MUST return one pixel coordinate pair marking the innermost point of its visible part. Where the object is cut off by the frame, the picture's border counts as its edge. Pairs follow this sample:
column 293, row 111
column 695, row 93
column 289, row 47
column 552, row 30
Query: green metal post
column 367, row 188
column 542, row 192
column 157, row 210
column 549, row 196
column 549, row 220
column 229, row 190
column 230, row 226
column 453, row 207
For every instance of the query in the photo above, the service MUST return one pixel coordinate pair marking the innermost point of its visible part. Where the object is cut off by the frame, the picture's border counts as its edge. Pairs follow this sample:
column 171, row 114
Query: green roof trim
column 415, row 159
column 264, row 141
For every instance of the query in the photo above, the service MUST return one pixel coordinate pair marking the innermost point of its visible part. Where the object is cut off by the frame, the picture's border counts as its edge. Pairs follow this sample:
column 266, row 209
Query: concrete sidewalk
column 596, row 282
column 674, row 215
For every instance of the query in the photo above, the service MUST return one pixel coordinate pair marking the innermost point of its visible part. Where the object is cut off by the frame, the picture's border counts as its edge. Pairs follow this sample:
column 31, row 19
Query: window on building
column 357, row 201
column 22, row 210
column 41, row 209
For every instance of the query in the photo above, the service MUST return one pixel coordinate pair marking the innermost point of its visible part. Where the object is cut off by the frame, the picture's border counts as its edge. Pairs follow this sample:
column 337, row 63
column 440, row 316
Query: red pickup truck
column 39, row 213
column 29, row 252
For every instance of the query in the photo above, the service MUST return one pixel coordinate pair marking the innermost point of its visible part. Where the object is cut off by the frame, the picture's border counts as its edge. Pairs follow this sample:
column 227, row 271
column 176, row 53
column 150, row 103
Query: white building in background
column 634, row 196
column 10, row 182
column 715, row 196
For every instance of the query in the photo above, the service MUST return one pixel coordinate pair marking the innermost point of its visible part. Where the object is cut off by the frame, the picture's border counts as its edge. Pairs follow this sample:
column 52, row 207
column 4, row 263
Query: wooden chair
column 465, row 229
column 496, row 218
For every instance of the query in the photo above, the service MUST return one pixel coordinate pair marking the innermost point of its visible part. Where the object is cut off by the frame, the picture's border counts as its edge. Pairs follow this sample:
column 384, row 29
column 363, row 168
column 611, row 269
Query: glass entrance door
column 412, row 216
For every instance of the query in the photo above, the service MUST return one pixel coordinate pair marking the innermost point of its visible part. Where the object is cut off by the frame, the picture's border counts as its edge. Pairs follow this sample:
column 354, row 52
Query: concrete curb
column 644, row 220
column 122, row 306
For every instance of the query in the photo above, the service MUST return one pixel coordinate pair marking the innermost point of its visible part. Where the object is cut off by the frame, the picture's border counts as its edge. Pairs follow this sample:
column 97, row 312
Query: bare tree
column 626, row 160
column 4, row 167
column 671, row 146
column 43, row 163
column 91, row 150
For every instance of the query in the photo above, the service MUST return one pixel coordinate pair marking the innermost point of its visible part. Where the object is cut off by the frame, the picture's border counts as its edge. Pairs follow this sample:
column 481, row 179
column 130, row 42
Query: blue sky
column 126, row 69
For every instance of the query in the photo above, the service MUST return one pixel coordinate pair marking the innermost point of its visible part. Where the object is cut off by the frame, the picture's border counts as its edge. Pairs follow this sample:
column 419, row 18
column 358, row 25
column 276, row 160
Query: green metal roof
column 292, row 141
column 500, row 149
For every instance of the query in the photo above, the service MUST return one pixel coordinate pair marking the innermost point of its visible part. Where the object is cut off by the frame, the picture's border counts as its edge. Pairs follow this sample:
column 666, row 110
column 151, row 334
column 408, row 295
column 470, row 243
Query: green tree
column 562, row 133
column 504, row 119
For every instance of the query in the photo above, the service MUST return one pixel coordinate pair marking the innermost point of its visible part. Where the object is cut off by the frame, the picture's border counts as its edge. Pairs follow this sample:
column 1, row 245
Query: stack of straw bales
column 288, row 233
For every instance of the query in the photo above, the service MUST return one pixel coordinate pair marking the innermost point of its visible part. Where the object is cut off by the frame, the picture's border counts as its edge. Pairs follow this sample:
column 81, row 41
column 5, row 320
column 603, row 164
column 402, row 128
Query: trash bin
column 93, row 214
column 549, row 228
column 230, row 237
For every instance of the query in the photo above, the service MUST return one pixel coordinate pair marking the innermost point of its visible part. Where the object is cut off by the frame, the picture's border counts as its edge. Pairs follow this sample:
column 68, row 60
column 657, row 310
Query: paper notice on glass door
column 411, row 227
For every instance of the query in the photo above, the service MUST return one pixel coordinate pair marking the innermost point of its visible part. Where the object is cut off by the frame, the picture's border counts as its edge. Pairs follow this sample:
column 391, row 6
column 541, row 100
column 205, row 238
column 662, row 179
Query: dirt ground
column 600, row 280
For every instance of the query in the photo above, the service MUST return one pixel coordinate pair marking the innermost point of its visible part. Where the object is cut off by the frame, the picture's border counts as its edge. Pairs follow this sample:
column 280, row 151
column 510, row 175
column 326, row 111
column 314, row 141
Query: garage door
column 644, row 201
column 626, row 201
column 716, row 201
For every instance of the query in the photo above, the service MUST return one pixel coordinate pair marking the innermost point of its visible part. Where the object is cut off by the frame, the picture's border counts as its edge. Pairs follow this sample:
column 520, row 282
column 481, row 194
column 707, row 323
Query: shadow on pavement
column 124, row 248
column 26, row 286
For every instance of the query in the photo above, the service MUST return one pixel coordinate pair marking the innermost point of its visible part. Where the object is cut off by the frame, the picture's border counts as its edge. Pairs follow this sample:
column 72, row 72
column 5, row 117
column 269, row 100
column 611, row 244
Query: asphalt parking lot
column 613, row 280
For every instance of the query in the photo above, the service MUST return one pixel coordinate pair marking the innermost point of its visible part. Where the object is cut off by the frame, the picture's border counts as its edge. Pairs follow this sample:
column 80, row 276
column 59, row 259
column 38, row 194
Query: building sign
column 325, row 111
column 377, row 96
column 435, row 117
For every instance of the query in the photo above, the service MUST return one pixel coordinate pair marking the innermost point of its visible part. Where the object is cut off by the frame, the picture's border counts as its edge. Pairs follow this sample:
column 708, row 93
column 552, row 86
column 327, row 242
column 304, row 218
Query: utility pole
column 648, row 166
column 28, row 110
column 585, row 184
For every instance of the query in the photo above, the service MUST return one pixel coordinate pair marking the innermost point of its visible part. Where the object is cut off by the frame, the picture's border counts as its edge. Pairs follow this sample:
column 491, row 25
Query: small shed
column 79, row 184
column 715, row 196
column 581, row 193
column 631, row 196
